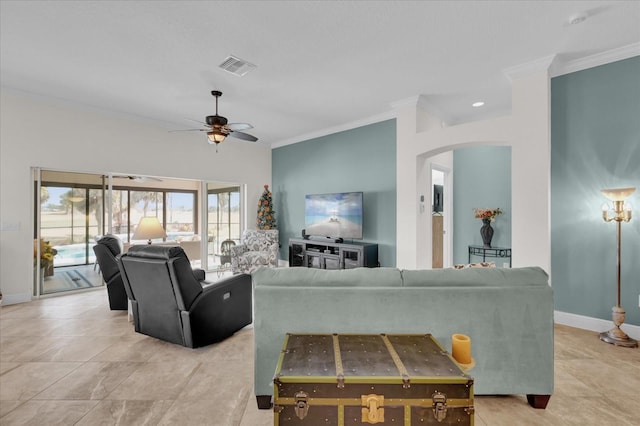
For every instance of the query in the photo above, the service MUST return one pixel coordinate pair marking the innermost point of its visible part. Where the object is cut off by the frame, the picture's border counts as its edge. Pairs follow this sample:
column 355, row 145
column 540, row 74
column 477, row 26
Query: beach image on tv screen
column 334, row 215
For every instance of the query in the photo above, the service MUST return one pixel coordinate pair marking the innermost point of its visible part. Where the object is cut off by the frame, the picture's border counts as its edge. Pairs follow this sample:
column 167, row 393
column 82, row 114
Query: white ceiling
column 320, row 64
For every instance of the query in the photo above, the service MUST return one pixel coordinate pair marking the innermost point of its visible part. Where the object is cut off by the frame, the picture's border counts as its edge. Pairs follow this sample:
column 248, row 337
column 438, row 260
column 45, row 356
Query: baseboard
column 593, row 324
column 12, row 299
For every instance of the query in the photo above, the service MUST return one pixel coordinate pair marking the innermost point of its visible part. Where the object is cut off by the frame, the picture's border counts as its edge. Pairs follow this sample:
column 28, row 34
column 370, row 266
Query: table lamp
column 148, row 229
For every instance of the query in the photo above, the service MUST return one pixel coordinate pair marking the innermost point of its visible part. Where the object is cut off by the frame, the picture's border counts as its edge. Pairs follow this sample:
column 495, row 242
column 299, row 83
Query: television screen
column 334, row 215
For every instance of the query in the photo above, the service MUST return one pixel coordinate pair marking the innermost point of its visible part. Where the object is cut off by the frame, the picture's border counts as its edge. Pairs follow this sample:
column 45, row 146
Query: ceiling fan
column 137, row 178
column 218, row 127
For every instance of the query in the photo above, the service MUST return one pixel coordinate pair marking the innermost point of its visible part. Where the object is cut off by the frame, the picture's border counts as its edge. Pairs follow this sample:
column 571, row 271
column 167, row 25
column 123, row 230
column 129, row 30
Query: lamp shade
column 216, row 136
column 618, row 194
column 148, row 229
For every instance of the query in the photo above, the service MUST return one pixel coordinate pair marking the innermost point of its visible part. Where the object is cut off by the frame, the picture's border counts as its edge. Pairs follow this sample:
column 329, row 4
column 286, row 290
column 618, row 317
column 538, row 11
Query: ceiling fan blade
column 197, row 121
column 239, row 126
column 243, row 136
column 137, row 178
column 190, row 130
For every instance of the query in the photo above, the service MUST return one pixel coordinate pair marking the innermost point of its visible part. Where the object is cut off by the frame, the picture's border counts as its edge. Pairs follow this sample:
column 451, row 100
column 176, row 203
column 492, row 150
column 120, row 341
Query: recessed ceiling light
column 477, row 104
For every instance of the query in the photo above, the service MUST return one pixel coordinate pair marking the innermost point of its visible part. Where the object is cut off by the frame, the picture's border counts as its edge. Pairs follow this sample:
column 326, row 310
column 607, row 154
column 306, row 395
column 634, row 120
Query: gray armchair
column 170, row 303
column 257, row 248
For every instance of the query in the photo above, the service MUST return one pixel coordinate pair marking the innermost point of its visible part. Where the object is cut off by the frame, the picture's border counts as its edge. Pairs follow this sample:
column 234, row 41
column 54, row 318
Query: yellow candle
column 461, row 348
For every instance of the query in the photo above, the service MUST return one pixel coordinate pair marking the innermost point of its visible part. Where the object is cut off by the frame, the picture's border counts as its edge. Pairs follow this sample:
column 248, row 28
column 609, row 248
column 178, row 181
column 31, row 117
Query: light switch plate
column 9, row 226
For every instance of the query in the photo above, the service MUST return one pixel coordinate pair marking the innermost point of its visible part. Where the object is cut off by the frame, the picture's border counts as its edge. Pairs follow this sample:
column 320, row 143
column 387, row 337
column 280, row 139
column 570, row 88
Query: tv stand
column 325, row 239
column 328, row 253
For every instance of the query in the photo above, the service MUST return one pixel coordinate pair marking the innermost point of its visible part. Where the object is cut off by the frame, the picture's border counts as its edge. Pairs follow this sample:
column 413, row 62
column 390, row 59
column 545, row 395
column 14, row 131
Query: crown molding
column 336, row 129
column 602, row 58
column 423, row 103
column 552, row 64
column 426, row 104
column 528, row 68
column 411, row 102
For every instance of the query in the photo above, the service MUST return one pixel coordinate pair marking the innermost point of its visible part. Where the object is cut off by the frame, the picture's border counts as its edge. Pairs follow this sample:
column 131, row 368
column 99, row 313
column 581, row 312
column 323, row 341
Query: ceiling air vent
column 237, row 66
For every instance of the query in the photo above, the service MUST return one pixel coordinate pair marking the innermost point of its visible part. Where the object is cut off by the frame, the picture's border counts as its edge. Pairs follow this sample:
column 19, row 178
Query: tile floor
column 68, row 360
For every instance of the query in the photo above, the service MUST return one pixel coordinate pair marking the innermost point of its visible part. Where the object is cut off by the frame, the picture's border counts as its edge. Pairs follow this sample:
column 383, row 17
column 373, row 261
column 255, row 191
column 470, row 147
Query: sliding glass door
column 69, row 217
column 70, row 220
column 223, row 218
column 73, row 210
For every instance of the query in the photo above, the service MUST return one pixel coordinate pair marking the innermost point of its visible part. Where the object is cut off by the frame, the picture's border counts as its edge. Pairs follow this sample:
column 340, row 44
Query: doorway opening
column 437, row 219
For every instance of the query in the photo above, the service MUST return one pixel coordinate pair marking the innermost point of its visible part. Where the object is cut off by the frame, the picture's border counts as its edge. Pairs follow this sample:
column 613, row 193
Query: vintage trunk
column 349, row 379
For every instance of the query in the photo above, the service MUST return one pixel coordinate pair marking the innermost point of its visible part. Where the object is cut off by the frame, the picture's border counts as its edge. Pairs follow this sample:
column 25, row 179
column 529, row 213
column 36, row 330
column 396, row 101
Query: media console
column 332, row 255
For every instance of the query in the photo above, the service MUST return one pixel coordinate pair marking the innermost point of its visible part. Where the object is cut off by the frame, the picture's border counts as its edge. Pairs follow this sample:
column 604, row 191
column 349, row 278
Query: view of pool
column 75, row 254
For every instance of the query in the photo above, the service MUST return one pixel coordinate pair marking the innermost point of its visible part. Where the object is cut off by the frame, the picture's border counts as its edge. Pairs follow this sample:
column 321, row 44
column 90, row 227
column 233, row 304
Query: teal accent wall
column 361, row 159
column 481, row 179
column 595, row 144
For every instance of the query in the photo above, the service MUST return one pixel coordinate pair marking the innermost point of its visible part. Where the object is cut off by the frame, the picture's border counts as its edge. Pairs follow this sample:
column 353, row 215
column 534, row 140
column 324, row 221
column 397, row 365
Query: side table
column 503, row 252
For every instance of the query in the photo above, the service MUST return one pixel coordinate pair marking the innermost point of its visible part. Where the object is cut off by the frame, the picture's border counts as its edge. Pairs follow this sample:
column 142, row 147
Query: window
column 72, row 216
column 176, row 211
column 223, row 222
column 180, row 215
column 70, row 219
column 74, row 209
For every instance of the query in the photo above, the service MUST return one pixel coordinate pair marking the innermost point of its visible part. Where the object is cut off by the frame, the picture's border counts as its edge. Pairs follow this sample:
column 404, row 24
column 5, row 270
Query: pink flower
column 487, row 213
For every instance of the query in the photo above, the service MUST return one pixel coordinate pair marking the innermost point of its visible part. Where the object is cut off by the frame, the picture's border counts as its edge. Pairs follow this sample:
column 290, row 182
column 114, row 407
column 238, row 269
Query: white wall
column 43, row 133
column 527, row 131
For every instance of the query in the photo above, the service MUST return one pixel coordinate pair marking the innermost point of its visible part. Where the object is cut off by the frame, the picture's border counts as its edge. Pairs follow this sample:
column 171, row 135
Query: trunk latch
column 372, row 408
column 439, row 406
column 302, row 407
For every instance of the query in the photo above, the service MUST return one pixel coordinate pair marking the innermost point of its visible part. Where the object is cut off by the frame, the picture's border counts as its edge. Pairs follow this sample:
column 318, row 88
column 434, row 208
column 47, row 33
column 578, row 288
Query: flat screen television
column 337, row 215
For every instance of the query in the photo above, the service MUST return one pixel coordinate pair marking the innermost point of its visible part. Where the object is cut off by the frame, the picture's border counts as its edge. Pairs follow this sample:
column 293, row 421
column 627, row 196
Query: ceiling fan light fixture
column 218, row 129
column 216, row 136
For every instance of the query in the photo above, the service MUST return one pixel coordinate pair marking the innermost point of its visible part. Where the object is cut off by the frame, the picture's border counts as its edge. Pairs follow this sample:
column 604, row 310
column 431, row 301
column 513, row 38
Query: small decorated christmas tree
column 266, row 216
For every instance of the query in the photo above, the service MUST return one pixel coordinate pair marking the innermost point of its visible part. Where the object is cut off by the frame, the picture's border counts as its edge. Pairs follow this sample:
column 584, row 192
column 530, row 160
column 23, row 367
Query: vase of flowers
column 47, row 252
column 486, row 231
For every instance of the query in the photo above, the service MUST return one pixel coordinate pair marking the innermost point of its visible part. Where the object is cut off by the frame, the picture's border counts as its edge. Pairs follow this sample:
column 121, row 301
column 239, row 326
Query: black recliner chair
column 170, row 303
column 106, row 250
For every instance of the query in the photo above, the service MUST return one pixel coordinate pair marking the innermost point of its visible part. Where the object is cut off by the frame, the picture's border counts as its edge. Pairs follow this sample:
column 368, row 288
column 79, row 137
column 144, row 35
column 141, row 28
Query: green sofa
column 507, row 313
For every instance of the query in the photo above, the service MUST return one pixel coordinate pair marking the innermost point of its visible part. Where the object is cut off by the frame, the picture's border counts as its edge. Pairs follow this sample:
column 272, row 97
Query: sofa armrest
column 239, row 250
column 236, row 252
column 273, row 251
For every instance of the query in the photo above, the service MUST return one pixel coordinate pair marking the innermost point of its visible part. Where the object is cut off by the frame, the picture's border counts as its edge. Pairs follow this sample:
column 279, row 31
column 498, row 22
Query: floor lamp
column 621, row 212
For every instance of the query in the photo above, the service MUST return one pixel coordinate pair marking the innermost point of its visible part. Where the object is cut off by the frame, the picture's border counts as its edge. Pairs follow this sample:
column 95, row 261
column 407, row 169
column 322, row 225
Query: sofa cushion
column 301, row 277
column 475, row 277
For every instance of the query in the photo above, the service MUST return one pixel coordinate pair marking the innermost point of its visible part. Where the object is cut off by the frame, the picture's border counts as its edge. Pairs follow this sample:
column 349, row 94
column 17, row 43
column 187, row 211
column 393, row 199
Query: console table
column 503, row 252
